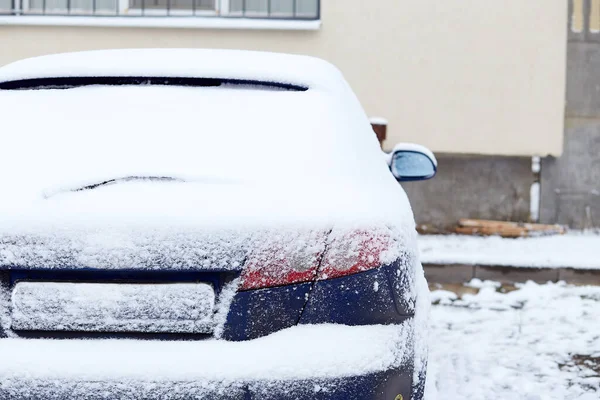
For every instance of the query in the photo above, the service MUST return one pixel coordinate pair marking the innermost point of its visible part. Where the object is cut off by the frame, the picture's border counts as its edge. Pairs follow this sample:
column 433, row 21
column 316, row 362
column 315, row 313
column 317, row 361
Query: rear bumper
column 307, row 361
column 385, row 385
column 304, row 362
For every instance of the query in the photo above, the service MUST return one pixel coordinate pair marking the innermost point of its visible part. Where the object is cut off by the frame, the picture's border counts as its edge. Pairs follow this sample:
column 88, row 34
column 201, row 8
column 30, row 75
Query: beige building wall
column 464, row 76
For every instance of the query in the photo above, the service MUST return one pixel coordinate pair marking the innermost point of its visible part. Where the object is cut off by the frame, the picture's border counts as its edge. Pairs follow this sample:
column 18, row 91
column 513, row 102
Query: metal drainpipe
column 534, row 192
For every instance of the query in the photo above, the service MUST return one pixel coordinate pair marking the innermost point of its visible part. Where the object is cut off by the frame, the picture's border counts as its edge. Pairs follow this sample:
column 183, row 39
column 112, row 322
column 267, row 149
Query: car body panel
column 174, row 183
column 257, row 313
column 359, row 299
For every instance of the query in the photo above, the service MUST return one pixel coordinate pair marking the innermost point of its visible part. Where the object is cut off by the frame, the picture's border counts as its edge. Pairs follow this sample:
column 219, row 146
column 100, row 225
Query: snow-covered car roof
column 297, row 70
column 221, row 158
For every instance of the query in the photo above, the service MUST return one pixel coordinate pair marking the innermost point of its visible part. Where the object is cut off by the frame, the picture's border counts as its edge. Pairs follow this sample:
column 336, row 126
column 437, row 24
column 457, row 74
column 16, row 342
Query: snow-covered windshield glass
column 91, row 134
column 220, row 141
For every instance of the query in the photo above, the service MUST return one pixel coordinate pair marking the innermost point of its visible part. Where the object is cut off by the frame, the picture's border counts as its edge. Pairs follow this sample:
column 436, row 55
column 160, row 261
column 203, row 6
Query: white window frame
column 158, row 20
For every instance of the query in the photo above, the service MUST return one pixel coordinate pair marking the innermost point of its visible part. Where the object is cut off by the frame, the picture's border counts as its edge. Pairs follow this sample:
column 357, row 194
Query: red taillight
column 284, row 260
column 352, row 252
column 297, row 258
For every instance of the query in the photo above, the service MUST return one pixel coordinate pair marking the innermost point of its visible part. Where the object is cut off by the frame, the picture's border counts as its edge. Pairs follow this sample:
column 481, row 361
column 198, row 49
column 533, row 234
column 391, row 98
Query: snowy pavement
column 535, row 343
column 574, row 250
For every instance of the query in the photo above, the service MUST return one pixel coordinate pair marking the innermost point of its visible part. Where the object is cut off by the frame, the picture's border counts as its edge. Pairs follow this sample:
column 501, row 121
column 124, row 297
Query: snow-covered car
column 231, row 209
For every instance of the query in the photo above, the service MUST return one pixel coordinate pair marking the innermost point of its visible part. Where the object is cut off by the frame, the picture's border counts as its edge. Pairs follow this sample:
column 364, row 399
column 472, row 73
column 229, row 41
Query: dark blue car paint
column 366, row 298
column 257, row 313
column 386, row 385
column 372, row 297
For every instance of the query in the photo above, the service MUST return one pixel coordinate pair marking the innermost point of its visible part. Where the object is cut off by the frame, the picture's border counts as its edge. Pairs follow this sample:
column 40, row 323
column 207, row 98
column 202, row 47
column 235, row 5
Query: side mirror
column 412, row 162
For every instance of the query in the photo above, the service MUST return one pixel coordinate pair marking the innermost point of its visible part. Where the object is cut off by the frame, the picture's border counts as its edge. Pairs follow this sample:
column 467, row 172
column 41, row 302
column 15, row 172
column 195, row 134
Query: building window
column 275, row 8
column 270, row 9
column 204, row 5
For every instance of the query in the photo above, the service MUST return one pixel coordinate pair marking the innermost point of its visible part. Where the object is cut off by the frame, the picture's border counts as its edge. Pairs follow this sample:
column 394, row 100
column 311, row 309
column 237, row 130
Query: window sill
column 164, row 22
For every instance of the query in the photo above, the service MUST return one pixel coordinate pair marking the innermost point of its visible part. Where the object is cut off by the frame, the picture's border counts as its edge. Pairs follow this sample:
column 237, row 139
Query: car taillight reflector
column 353, row 252
column 297, row 258
column 286, row 260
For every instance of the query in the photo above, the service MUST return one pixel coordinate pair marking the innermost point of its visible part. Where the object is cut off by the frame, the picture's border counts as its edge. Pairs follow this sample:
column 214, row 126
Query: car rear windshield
column 74, row 82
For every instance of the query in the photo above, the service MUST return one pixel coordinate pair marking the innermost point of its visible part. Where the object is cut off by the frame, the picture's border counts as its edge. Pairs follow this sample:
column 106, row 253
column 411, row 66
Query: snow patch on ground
column 534, row 343
column 575, row 250
column 443, row 297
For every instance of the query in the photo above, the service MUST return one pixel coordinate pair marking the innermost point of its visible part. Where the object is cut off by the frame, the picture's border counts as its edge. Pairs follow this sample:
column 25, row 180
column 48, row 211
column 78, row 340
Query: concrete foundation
column 459, row 274
column 486, row 187
column 570, row 185
column 514, row 275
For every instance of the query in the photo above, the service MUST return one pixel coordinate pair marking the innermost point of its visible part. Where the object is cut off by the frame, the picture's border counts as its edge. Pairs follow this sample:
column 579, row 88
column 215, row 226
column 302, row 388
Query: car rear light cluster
column 353, row 252
column 285, row 262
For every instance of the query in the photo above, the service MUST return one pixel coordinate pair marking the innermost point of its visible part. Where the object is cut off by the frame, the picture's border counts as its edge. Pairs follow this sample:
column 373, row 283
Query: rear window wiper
column 129, row 179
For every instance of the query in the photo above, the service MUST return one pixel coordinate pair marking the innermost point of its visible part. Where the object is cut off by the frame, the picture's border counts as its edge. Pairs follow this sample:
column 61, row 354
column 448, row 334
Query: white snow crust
column 223, row 305
column 181, row 63
column 421, row 322
column 113, row 307
column 535, row 343
column 302, row 352
column 218, row 137
column 378, row 120
column 573, row 250
column 241, row 161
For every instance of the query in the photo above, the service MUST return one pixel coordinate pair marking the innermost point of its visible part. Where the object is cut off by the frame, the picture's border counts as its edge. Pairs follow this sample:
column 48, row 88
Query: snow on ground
column 575, row 250
column 536, row 343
